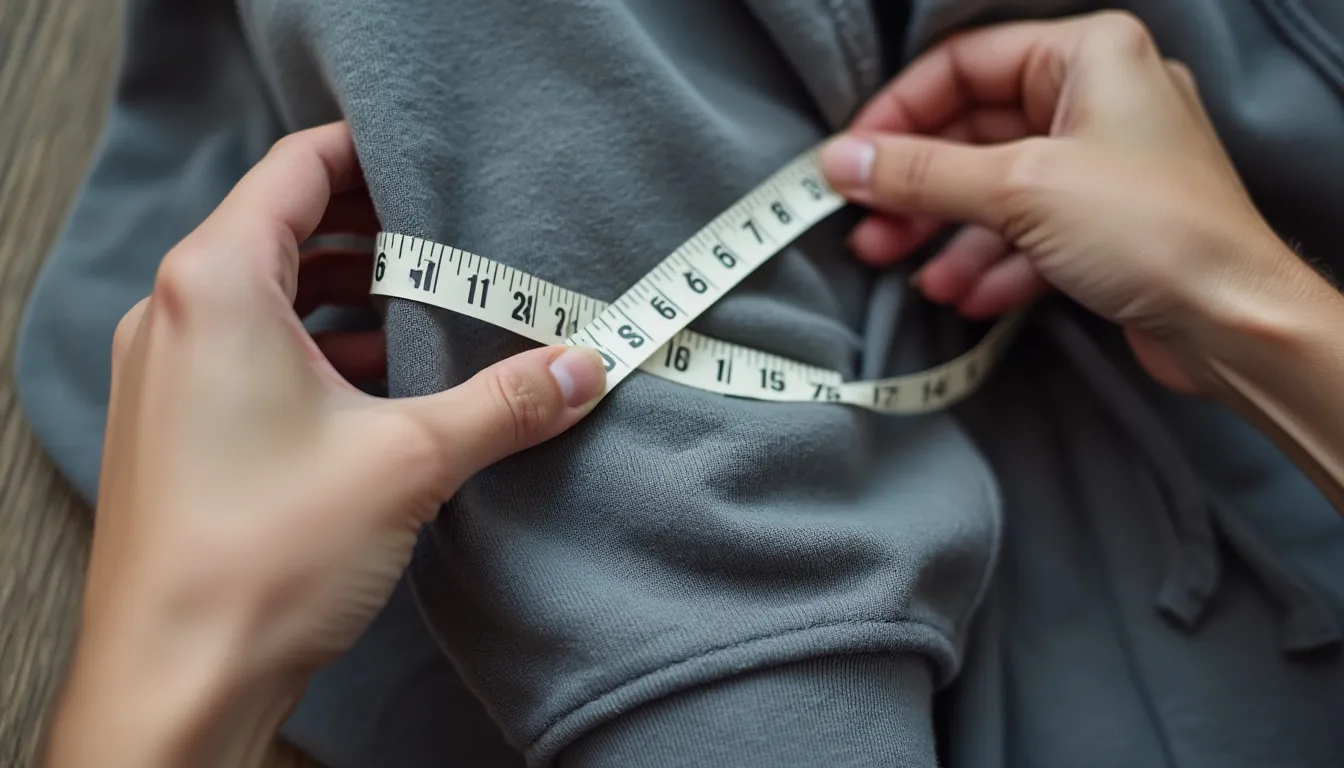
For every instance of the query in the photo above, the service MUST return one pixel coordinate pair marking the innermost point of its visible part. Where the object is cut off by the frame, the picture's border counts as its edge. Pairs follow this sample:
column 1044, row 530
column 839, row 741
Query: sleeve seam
column 925, row 640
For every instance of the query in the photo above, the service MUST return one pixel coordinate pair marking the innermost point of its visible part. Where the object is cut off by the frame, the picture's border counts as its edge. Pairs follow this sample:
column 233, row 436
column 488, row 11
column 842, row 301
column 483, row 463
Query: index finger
column 295, row 181
column 279, row 203
column 1016, row 64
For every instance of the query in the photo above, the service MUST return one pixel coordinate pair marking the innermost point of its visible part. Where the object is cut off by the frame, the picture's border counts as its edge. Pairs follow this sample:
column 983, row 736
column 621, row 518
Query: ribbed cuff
column 860, row 710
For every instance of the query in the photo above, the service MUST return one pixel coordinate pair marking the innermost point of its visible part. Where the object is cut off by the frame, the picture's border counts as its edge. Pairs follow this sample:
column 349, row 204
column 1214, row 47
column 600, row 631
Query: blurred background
column 57, row 60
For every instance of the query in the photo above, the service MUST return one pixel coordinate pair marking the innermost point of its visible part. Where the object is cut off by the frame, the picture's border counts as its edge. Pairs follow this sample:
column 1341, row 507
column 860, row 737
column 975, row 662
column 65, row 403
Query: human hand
column 255, row 509
column 1081, row 160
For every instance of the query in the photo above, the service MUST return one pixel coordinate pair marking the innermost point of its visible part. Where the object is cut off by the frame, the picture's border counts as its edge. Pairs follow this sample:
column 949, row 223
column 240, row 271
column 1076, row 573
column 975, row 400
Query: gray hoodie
column 1089, row 570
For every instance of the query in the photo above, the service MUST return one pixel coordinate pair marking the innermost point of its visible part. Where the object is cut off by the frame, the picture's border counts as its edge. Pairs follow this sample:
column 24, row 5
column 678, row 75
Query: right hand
column 1082, row 161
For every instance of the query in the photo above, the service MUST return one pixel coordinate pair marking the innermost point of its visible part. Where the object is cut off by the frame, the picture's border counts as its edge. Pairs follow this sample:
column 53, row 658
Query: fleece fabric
column 686, row 579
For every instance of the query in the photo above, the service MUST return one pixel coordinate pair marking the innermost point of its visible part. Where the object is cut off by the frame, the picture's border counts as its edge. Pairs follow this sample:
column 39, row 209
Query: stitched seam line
column 617, row 688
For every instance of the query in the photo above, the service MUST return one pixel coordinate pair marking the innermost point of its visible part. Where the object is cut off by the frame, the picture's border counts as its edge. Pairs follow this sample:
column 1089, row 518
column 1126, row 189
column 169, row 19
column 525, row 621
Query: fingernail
column 848, row 161
column 580, row 374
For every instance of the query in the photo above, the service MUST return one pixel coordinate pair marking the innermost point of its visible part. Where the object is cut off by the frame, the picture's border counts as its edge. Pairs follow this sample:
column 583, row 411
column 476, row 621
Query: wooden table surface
column 56, row 62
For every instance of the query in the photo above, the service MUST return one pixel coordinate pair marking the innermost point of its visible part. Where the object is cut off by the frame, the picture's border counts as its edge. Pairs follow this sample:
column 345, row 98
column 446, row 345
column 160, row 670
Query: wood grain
column 56, row 64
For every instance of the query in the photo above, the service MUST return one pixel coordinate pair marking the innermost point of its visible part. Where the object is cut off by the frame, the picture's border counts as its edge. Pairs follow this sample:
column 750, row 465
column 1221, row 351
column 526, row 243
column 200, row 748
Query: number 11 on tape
column 652, row 316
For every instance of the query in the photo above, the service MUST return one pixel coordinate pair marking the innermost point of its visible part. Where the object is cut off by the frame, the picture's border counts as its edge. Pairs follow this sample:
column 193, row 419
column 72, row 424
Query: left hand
column 255, row 509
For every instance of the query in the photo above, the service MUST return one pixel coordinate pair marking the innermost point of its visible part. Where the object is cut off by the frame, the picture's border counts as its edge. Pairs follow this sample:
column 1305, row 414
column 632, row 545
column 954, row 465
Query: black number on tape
column 772, row 380
column 485, row 289
column 827, row 392
column 883, row 394
column 781, row 212
column 523, row 312
column 696, row 283
column 560, row 322
column 813, row 188
column 935, row 388
column 725, row 256
column 630, row 335
column 725, row 374
column 662, row 307
column 607, row 362
column 381, row 268
column 423, row 279
column 750, row 226
column 678, row 357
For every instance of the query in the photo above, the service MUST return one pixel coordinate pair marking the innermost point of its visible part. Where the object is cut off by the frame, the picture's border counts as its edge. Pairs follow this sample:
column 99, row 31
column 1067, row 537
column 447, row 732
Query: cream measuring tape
column 645, row 328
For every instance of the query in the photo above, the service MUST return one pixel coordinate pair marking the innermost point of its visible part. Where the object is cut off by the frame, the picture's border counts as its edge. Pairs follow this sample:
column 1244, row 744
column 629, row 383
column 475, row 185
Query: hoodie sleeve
column 189, row 116
column 684, row 579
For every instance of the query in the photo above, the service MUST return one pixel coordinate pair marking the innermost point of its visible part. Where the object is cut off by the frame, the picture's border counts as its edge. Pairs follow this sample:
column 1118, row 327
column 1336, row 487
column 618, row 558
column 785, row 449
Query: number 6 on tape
column 645, row 327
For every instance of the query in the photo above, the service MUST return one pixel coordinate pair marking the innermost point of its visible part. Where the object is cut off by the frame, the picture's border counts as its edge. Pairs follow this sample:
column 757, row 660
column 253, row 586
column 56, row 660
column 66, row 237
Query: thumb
column 906, row 175
column 510, row 406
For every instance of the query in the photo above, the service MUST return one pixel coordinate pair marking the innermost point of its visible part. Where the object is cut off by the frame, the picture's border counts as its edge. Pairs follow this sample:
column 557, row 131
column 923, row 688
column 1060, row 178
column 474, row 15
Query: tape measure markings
column 711, row 263
column 406, row 267
column 645, row 327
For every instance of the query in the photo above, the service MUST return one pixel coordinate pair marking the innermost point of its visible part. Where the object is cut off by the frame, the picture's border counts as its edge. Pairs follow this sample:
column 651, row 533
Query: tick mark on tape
column 676, row 291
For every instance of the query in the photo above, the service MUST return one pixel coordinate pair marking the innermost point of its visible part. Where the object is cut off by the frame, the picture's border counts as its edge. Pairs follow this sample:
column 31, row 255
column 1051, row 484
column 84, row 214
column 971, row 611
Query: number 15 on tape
column 708, row 265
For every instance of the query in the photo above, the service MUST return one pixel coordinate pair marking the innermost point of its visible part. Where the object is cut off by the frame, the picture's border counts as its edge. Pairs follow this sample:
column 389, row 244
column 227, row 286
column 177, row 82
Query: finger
column 292, row 185
column 333, row 278
column 914, row 175
column 1007, row 285
column 512, row 405
column 1026, row 64
column 987, row 126
column 882, row 240
column 355, row 356
column 1004, row 65
column 953, row 272
column 258, row 227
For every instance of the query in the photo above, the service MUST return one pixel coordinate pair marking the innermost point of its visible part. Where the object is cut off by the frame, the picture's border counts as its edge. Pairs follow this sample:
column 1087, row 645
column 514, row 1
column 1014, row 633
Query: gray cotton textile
column 1090, row 570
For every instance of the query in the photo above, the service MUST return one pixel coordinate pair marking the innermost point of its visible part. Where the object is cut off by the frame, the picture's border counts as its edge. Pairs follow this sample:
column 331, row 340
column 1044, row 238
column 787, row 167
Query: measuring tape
column 646, row 327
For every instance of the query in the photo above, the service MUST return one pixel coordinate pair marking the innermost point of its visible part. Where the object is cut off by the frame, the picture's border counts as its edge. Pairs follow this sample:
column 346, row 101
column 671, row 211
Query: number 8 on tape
column 646, row 327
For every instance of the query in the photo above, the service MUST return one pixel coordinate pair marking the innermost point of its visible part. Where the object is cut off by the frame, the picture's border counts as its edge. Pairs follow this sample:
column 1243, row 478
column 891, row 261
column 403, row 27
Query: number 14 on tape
column 646, row 327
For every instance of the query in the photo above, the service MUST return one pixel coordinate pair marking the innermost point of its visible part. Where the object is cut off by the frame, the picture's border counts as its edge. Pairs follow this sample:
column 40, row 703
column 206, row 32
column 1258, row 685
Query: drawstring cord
column 1194, row 568
column 1308, row 623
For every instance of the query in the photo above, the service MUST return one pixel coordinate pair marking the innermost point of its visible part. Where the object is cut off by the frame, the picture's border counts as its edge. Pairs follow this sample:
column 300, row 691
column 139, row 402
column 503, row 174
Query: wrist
column 1255, row 301
column 206, row 707
column 1275, row 359
column 1282, row 322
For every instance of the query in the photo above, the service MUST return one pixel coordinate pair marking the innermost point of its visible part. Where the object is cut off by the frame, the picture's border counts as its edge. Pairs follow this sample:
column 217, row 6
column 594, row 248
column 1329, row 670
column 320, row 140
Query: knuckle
column 410, row 443
column 1125, row 31
column 1032, row 168
column 182, row 280
column 1183, row 74
column 524, row 406
column 905, row 176
column 286, row 144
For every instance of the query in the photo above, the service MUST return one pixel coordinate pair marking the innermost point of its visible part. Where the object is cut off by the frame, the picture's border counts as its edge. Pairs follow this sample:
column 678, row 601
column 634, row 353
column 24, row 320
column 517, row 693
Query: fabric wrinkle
column 1195, row 518
column 573, row 597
